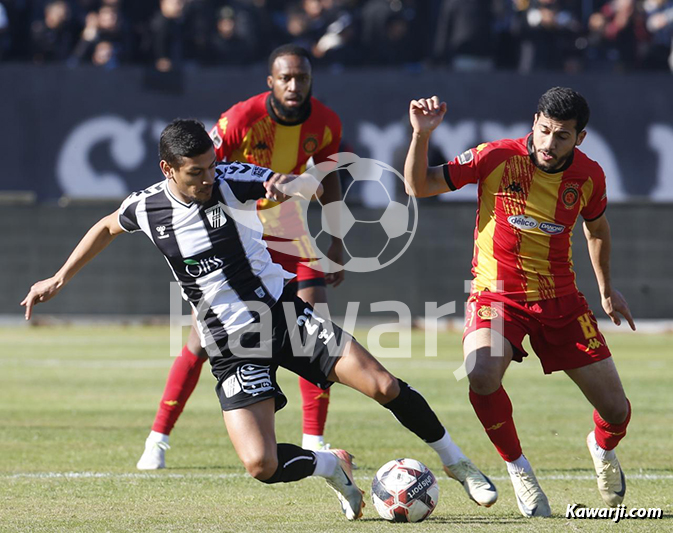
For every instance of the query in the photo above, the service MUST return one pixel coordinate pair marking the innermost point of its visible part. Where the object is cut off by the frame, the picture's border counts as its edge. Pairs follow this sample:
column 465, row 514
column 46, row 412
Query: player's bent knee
column 261, row 467
column 615, row 413
column 387, row 388
column 484, row 381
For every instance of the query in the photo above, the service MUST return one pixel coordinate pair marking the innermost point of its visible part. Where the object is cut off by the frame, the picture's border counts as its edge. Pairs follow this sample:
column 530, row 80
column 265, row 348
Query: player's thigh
column 312, row 294
column 600, row 384
column 253, row 434
column 487, row 354
column 358, row 369
column 194, row 341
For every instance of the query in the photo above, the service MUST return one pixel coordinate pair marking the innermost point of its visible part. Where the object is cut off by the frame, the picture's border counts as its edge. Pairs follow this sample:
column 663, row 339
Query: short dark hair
column 183, row 138
column 562, row 103
column 289, row 50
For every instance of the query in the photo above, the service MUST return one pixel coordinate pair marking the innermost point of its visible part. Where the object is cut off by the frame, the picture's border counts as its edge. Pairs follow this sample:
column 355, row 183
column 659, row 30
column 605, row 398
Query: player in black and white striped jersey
column 238, row 294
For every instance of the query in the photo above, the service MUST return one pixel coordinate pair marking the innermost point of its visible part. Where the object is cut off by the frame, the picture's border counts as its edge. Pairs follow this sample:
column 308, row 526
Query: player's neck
column 172, row 188
column 277, row 115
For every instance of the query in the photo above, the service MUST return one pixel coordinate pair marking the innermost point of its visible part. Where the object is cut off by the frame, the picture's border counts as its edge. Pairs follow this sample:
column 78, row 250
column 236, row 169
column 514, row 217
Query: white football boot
column 343, row 483
column 154, row 456
column 609, row 475
column 529, row 496
column 479, row 488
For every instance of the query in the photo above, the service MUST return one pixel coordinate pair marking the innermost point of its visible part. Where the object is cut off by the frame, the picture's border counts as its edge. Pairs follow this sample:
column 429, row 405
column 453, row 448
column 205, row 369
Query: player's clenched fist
column 280, row 187
column 426, row 114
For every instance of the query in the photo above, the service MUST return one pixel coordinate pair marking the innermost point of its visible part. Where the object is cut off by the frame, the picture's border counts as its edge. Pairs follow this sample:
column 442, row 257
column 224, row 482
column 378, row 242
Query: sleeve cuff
column 447, row 177
column 596, row 217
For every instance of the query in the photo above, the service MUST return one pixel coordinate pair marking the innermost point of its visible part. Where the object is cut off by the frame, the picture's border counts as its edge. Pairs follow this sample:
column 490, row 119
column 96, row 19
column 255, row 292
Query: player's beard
column 292, row 114
column 559, row 164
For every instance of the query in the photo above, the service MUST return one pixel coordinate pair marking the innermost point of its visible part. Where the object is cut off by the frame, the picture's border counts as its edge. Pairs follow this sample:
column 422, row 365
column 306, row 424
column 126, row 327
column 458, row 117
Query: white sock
column 448, row 451
column 312, row 442
column 598, row 452
column 155, row 436
column 325, row 464
column 520, row 465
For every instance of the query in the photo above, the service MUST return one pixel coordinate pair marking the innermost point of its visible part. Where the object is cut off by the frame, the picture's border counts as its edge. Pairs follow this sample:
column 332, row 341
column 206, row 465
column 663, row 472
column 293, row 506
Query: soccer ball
column 387, row 236
column 404, row 490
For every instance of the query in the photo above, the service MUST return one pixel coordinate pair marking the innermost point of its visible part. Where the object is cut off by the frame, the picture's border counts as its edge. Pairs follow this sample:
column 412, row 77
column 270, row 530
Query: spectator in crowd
column 105, row 55
column 227, row 46
column 465, row 37
column 338, row 45
column 659, row 24
column 529, row 35
column 5, row 35
column 53, row 37
column 168, row 35
column 386, row 31
column 549, row 33
column 103, row 26
column 616, row 34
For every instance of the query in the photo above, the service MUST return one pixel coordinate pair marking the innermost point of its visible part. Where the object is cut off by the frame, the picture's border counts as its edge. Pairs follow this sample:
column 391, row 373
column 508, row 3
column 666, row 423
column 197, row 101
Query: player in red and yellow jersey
column 281, row 129
column 531, row 192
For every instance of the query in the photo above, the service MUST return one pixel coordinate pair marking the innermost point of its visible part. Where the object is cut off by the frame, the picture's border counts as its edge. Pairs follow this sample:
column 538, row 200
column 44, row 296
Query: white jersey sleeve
column 246, row 181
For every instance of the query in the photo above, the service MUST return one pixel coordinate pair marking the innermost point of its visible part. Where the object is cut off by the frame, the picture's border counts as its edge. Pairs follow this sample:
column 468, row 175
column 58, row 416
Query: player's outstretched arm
column 280, row 187
column 419, row 179
column 597, row 233
column 94, row 242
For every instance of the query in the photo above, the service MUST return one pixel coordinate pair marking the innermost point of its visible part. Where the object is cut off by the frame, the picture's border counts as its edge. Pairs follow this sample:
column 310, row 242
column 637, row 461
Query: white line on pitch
column 234, row 475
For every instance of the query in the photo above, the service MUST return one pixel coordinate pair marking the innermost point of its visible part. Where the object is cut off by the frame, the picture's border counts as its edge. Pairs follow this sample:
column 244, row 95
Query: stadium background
column 80, row 126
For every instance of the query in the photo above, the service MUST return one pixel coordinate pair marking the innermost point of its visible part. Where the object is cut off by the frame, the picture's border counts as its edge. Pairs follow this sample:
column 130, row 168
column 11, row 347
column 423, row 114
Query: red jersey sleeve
column 228, row 133
column 598, row 200
column 465, row 168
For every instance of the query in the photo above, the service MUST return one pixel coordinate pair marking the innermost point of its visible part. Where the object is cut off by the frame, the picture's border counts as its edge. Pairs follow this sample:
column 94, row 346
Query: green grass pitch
column 76, row 404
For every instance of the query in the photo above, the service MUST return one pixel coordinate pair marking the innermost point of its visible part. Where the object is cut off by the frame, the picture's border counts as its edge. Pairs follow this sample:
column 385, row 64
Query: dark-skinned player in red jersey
column 281, row 129
column 531, row 192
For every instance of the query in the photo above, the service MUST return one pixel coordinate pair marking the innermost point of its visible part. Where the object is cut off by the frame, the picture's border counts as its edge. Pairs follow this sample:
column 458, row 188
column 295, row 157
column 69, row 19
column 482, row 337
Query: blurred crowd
column 466, row 35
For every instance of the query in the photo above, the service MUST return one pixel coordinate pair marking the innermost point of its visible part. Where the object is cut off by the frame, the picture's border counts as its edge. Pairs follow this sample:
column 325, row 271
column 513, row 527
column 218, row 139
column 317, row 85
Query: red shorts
column 563, row 331
column 297, row 266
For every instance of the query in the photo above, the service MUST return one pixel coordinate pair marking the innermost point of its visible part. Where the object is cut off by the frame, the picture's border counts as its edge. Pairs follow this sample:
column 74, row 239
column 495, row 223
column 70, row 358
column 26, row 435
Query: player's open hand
column 280, row 187
column 615, row 305
column 41, row 292
column 426, row 114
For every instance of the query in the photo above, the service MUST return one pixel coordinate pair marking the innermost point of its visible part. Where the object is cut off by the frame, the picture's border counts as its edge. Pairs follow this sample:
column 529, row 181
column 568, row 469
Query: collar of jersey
column 274, row 116
column 529, row 145
column 168, row 192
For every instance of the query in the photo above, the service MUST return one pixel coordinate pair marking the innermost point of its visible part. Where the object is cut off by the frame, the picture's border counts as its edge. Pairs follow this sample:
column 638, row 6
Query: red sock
column 495, row 414
column 608, row 435
column 182, row 380
column 315, row 402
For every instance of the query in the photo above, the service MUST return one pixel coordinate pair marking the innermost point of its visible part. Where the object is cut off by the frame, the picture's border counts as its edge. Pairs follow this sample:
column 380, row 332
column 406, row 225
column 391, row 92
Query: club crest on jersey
column 216, row 216
column 486, row 312
column 310, row 145
column 570, row 195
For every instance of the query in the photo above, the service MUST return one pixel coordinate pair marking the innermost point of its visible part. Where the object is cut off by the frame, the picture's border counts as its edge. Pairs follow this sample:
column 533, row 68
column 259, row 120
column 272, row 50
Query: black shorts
column 309, row 346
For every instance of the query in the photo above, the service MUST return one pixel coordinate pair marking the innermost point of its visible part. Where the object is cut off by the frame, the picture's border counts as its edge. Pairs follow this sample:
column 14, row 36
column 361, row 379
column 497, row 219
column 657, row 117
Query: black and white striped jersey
column 217, row 258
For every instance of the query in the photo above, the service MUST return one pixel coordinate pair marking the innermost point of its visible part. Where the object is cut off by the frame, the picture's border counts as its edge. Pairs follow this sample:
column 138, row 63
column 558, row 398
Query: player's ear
column 269, row 82
column 580, row 137
column 535, row 117
column 166, row 169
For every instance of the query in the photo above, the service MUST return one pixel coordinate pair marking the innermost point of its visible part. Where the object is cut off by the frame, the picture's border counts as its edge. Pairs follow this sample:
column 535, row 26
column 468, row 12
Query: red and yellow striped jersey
column 250, row 131
column 526, row 216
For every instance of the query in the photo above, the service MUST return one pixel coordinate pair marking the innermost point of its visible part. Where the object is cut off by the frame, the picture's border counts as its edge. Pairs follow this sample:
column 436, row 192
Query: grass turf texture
column 76, row 404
